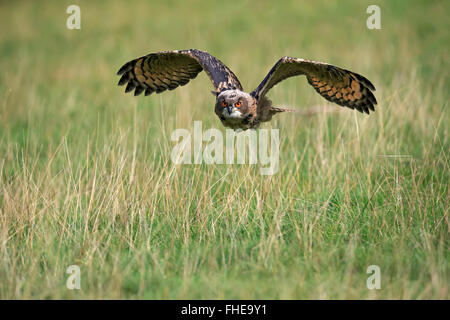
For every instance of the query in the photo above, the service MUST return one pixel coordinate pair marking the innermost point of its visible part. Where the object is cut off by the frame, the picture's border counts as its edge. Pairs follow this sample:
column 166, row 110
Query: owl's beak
column 229, row 108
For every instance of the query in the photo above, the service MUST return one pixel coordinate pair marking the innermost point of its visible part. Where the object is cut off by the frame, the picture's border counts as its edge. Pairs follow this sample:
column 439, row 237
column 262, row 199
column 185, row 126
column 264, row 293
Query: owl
column 237, row 109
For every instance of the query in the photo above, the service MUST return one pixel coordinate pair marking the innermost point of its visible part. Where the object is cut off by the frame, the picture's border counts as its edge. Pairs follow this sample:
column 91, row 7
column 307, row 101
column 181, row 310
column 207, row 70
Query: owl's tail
column 281, row 109
column 304, row 112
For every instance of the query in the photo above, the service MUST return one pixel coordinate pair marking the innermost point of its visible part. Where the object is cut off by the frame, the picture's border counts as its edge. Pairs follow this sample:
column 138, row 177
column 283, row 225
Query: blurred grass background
column 86, row 176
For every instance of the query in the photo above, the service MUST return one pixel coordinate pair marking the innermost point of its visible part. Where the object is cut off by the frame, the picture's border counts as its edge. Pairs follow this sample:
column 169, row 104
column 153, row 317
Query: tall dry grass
column 86, row 176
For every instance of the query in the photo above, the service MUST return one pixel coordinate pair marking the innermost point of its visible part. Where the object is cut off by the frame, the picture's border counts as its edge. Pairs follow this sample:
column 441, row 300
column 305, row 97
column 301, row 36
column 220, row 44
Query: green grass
column 86, row 176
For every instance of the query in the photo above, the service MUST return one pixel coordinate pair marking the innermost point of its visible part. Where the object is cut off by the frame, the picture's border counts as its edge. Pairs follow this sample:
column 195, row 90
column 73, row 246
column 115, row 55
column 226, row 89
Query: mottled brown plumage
column 237, row 109
column 337, row 85
column 157, row 72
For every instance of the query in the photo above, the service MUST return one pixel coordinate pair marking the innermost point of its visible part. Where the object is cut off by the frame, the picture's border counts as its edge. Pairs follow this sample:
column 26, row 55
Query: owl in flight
column 237, row 109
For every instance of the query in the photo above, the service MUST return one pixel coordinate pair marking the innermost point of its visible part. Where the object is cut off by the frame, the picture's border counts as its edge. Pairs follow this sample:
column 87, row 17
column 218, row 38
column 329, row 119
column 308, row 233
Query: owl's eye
column 237, row 104
column 224, row 104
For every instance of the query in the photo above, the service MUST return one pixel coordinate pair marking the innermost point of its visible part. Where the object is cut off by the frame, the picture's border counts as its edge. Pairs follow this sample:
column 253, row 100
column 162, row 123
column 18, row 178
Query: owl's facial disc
column 231, row 109
column 232, row 103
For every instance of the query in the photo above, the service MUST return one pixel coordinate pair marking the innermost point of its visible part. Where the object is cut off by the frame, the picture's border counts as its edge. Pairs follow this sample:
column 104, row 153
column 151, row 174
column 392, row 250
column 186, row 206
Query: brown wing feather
column 157, row 72
column 337, row 85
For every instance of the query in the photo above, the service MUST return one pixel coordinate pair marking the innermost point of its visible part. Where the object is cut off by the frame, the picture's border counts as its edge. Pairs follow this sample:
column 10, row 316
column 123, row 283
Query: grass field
column 86, row 177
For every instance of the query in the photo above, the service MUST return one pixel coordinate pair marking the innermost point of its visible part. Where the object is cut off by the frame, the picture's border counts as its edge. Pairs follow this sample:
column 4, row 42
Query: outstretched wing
column 337, row 85
column 157, row 72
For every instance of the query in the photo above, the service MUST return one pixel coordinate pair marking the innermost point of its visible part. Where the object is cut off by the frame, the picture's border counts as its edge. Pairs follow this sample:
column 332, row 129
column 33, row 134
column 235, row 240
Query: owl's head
column 233, row 104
